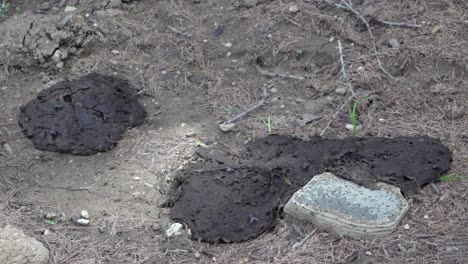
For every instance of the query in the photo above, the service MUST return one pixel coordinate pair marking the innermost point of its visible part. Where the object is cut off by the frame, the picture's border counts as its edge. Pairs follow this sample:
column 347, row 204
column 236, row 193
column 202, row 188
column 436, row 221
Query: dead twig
column 300, row 243
column 278, row 74
column 348, row 6
column 399, row 24
column 344, row 76
column 179, row 32
column 253, row 108
column 336, row 114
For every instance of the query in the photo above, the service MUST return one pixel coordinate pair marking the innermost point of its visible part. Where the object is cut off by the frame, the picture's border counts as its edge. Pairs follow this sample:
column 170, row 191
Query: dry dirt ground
column 191, row 79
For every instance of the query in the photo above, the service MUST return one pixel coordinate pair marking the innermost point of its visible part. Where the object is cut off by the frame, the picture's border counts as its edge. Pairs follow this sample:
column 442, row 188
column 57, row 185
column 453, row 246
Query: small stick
column 349, row 7
column 299, row 244
column 282, row 75
column 336, row 114
column 399, row 24
column 175, row 30
column 344, row 76
column 253, row 108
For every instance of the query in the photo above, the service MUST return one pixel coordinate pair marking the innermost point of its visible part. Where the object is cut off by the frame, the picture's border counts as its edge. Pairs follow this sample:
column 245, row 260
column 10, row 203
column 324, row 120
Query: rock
column 44, row 6
column 115, row 52
column 156, row 227
column 228, row 45
column 436, row 29
column 114, row 3
column 174, row 230
column 340, row 90
column 394, row 44
column 350, row 127
column 17, row 248
column 84, row 214
column 190, row 134
column 406, row 227
column 83, row 222
column 60, row 65
column 226, row 127
column 294, row 9
column 346, row 208
column 70, row 9
column 273, row 90
column 51, row 216
column 136, row 178
column 57, row 57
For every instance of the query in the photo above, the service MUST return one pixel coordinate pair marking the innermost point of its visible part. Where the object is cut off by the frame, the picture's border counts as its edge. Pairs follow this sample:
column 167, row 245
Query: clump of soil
column 227, row 200
column 83, row 116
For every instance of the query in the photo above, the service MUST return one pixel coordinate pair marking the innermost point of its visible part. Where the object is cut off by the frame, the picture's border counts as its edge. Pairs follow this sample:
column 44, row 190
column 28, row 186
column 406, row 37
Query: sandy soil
column 191, row 77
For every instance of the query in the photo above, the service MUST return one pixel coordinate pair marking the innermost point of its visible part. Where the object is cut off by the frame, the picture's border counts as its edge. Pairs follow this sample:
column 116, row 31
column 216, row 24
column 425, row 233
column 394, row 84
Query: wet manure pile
column 232, row 199
column 83, row 116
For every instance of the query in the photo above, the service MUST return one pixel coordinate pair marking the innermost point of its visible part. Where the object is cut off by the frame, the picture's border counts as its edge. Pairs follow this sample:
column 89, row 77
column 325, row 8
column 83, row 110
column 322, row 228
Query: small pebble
column 83, row 222
column 163, row 72
column 350, row 127
column 269, row 36
column 70, row 9
column 407, row 226
column 426, row 217
column 149, row 185
column 228, row 44
column 51, row 216
column 368, row 253
column 226, row 127
column 190, row 134
column 136, row 178
column 47, row 232
column 84, row 214
column 340, row 90
column 197, row 254
column 115, row 52
column 228, row 54
column 273, row 90
column 294, row 9
column 174, row 230
column 156, row 227
column 183, row 125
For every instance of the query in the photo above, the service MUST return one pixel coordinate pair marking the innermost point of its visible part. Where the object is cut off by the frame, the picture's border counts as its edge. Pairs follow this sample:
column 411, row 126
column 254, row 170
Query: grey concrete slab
column 346, row 208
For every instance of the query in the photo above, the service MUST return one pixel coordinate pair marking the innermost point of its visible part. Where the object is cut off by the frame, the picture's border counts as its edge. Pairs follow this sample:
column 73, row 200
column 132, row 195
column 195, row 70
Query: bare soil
column 193, row 75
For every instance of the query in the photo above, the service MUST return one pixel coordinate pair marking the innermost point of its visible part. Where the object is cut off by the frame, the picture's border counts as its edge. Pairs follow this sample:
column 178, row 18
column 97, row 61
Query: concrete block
column 347, row 209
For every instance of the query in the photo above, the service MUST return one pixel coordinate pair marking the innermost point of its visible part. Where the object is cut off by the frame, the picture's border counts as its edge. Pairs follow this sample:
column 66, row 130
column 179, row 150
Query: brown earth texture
column 115, row 107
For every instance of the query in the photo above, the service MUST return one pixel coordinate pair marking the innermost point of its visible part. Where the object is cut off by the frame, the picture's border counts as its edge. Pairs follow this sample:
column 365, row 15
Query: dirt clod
column 226, row 200
column 83, row 116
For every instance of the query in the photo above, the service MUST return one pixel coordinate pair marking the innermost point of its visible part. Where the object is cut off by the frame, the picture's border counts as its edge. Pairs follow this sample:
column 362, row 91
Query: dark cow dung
column 230, row 200
column 83, row 116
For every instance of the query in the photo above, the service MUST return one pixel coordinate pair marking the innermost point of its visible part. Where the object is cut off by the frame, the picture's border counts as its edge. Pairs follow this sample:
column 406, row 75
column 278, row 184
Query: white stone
column 340, row 90
column 348, row 209
column 83, row 222
column 350, row 127
column 84, row 214
column 174, row 230
column 226, row 127
column 136, row 178
column 228, row 45
column 70, row 9
column 294, row 9
column 115, row 52
column 57, row 57
column 406, row 227
column 17, row 248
